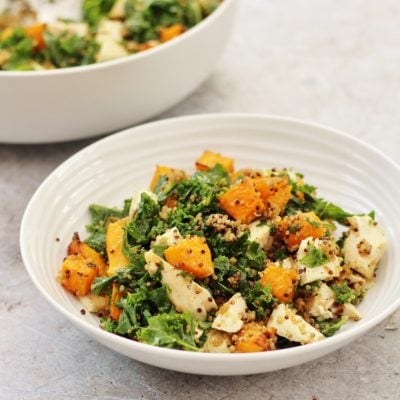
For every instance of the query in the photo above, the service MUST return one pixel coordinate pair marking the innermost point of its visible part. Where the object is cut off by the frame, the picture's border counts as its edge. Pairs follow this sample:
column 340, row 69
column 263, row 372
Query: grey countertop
column 334, row 62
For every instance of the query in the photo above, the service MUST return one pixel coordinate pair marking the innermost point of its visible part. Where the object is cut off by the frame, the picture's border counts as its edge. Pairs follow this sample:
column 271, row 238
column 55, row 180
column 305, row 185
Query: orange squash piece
column 255, row 337
column 77, row 247
column 193, row 255
column 209, row 160
column 171, row 32
column 243, row 202
column 282, row 282
column 77, row 274
column 295, row 228
column 115, row 311
column 36, row 33
column 171, row 201
column 114, row 240
column 172, row 175
column 275, row 192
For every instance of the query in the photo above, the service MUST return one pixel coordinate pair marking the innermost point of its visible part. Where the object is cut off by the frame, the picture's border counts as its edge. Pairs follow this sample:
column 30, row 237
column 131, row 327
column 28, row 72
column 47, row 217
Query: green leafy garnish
column 108, row 325
column 139, row 229
column 176, row 331
column 94, row 10
column 68, row 50
column 21, row 50
column 343, row 293
column 314, row 257
column 330, row 327
column 102, row 285
column 138, row 307
column 259, row 299
column 327, row 210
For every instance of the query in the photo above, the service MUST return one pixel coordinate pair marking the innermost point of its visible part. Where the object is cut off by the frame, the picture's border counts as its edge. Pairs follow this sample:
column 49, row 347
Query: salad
column 224, row 260
column 109, row 29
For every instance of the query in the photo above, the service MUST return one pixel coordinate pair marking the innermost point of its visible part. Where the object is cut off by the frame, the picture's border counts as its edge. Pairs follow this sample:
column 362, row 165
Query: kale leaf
column 21, row 48
column 139, row 306
column 314, row 257
column 171, row 330
column 196, row 195
column 102, row 285
column 258, row 299
column 331, row 326
column 94, row 10
column 68, row 50
column 327, row 210
column 343, row 293
column 143, row 226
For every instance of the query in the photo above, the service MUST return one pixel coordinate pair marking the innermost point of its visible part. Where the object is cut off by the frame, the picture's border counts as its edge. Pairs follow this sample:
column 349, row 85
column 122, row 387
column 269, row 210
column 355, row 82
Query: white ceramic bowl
column 345, row 170
column 73, row 103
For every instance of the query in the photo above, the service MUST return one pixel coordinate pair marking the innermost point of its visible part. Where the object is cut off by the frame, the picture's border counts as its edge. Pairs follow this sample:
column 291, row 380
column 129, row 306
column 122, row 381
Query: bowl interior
column 346, row 172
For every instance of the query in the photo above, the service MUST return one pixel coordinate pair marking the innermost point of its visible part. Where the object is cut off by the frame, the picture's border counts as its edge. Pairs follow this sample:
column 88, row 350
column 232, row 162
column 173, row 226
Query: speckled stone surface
column 334, row 62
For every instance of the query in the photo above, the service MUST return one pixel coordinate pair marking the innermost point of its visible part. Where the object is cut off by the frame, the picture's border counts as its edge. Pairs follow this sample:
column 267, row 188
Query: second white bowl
column 78, row 102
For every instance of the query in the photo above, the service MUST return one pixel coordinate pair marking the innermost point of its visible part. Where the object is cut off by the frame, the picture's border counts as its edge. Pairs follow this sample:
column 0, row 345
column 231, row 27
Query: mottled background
column 332, row 61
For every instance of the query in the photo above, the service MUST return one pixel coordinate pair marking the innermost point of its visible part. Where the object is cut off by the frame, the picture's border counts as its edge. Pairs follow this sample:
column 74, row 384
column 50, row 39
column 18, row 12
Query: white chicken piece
column 229, row 317
column 109, row 35
column 118, row 10
column 261, row 235
column 351, row 311
column 169, row 238
column 355, row 278
column 292, row 326
column 321, row 303
column 93, row 303
column 57, row 28
column 110, row 50
column 364, row 246
column 217, row 342
column 183, row 292
column 325, row 272
column 110, row 29
column 51, row 11
column 286, row 263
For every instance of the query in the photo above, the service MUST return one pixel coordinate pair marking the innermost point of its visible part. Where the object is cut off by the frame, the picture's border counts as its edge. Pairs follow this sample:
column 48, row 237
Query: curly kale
column 343, row 293
column 176, row 331
column 146, row 223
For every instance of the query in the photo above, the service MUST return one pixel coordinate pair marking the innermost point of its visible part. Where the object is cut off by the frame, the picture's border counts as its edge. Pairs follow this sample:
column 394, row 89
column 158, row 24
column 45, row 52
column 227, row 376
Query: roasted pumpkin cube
column 275, row 192
column 36, row 33
column 209, row 160
column 193, row 255
column 115, row 311
column 293, row 229
column 77, row 274
column 78, row 247
column 172, row 175
column 171, row 32
column 282, row 282
column 242, row 202
column 255, row 337
column 171, row 201
column 114, row 240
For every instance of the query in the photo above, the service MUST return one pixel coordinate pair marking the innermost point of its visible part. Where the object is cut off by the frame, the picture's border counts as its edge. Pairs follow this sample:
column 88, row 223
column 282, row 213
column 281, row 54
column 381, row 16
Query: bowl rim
column 96, row 331
column 221, row 9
